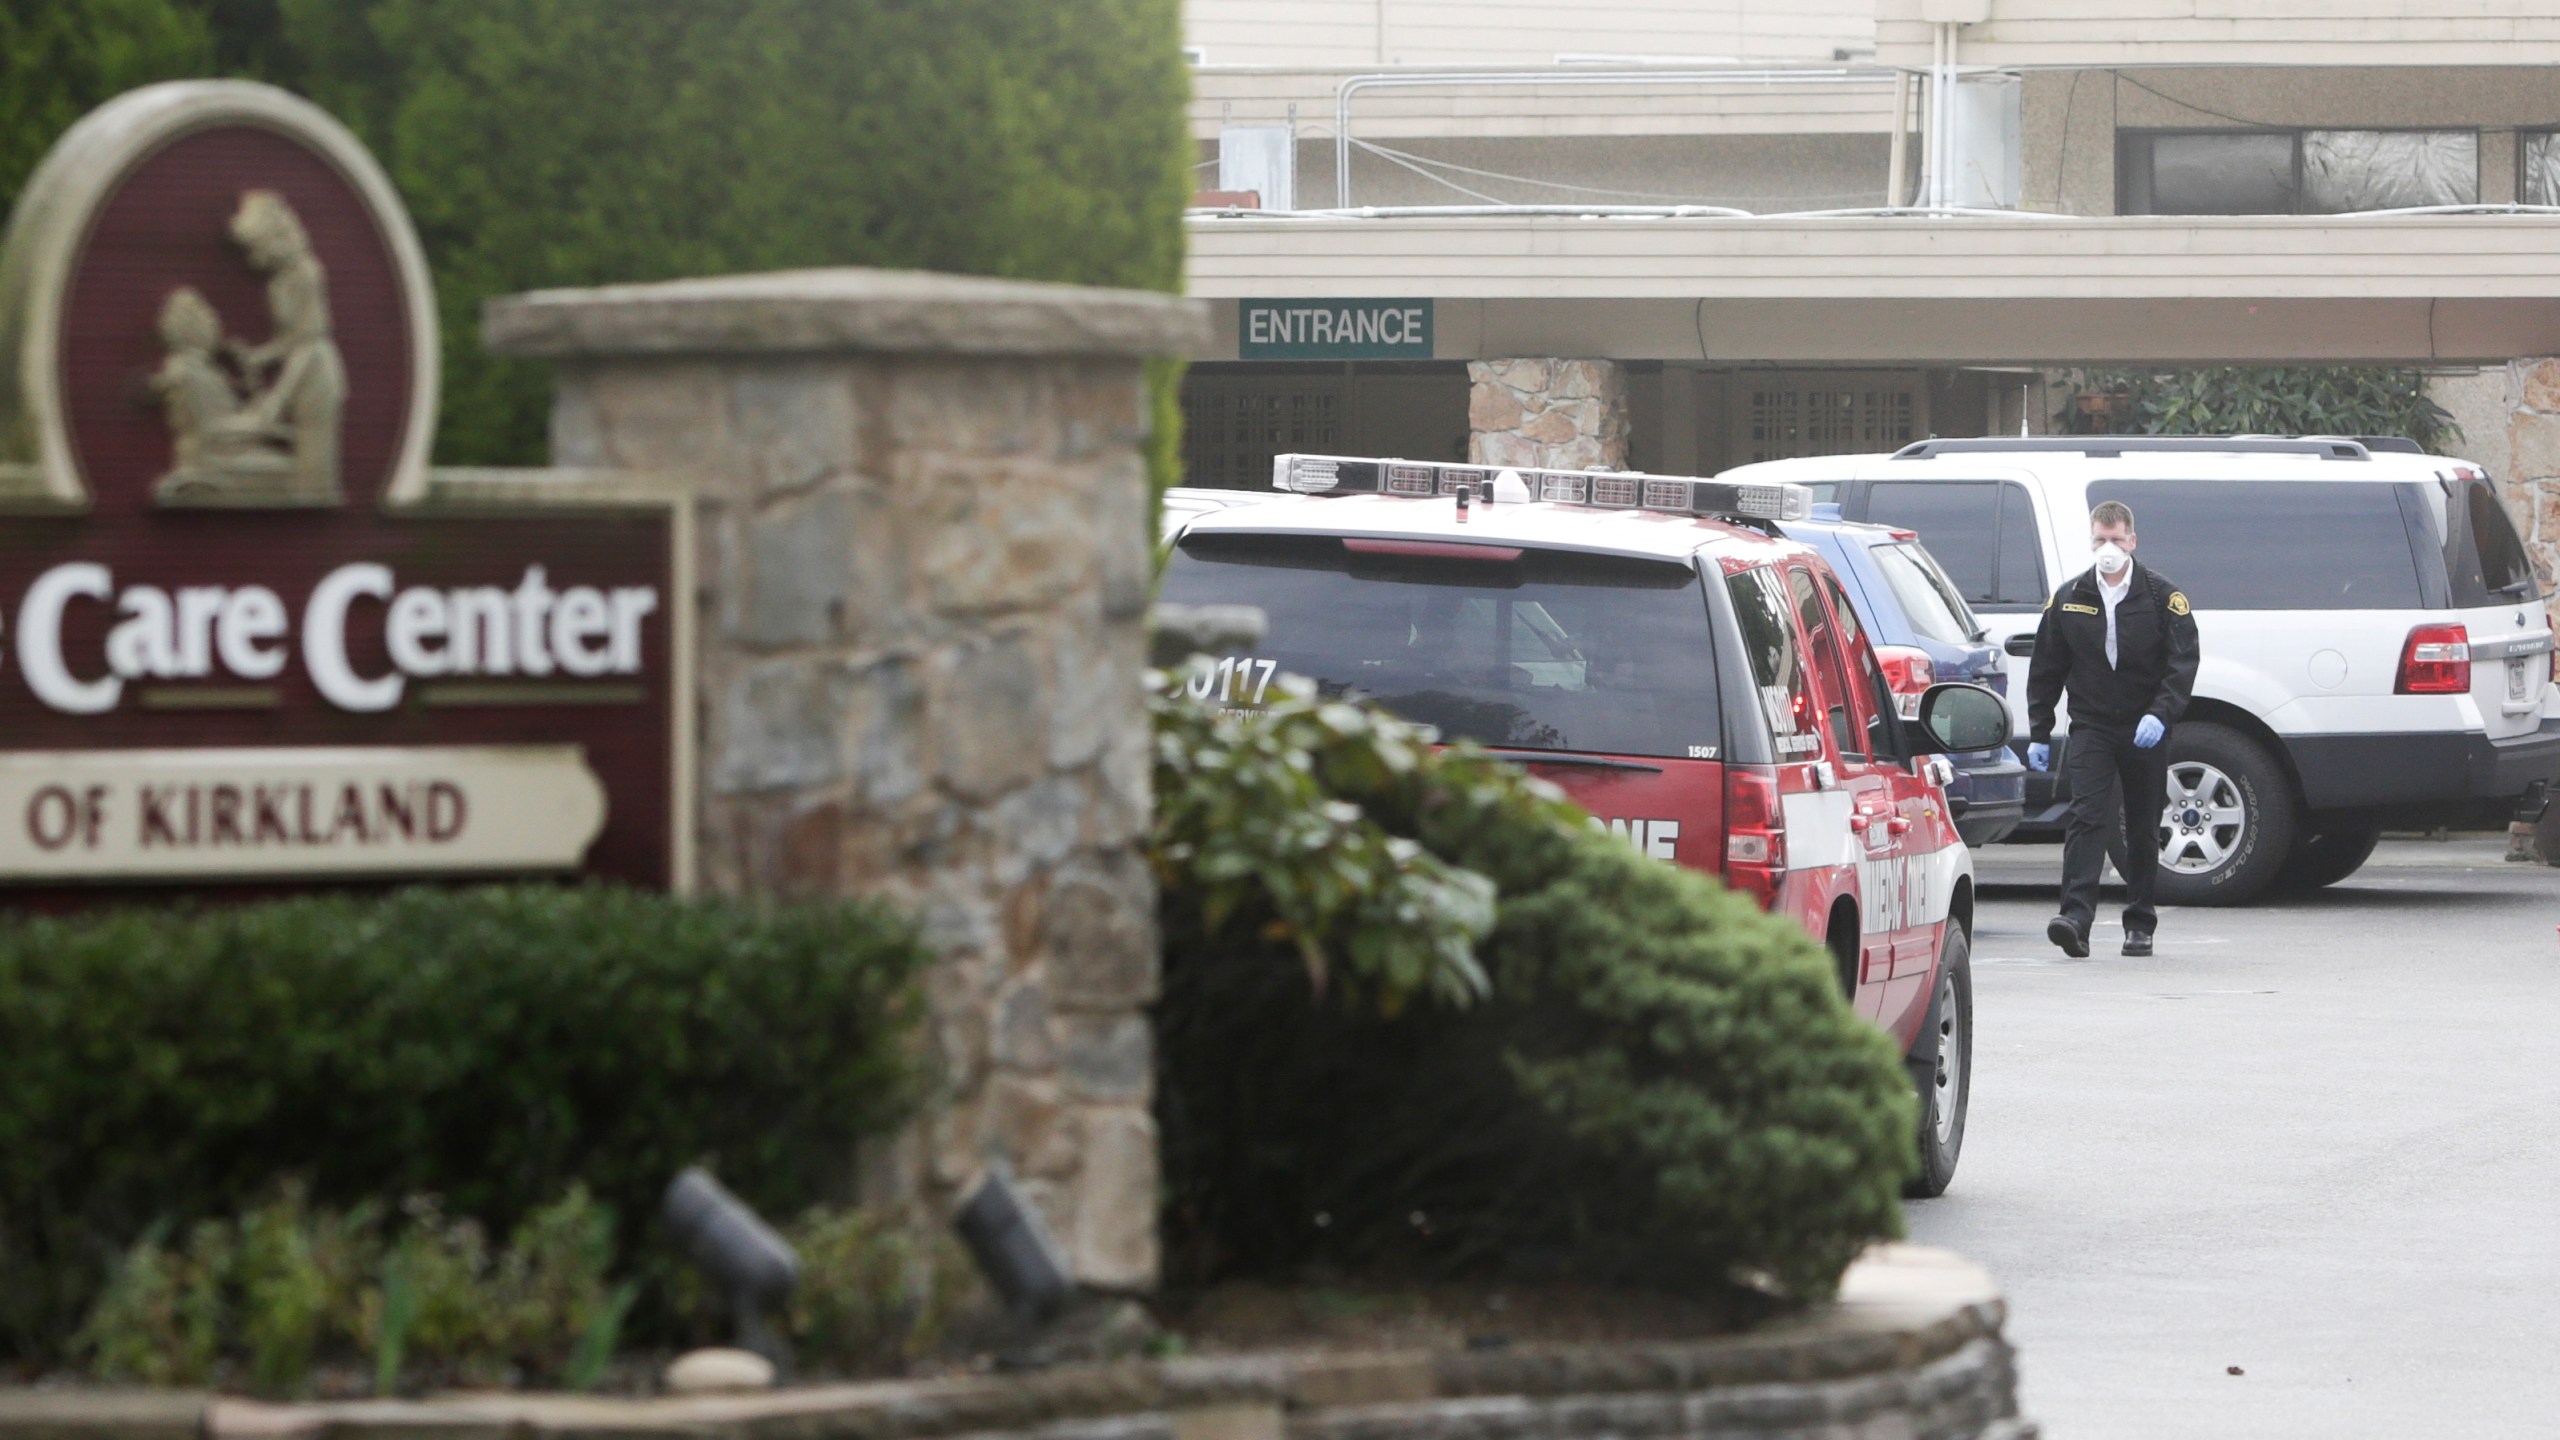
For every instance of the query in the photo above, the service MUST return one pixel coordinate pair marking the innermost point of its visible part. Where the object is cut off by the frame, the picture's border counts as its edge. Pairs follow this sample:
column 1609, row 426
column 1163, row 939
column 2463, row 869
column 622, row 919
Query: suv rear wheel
column 2228, row 828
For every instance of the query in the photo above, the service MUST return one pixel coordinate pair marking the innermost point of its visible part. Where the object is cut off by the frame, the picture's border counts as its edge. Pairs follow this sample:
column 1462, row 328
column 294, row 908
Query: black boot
column 2073, row 940
column 2137, row 942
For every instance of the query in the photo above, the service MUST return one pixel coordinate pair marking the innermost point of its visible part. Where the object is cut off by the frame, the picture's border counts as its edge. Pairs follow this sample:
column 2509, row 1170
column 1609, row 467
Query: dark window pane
column 2022, row 579
column 1548, row 652
column 1777, row 662
column 2538, row 157
column 2238, row 173
column 2486, row 558
column 1846, row 740
column 1958, row 520
column 2274, row 544
column 1928, row 599
column 2349, row 170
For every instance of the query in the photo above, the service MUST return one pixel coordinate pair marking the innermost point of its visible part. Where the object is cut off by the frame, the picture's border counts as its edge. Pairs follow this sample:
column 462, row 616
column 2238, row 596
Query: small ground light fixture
column 1013, row 1250
column 740, row 1254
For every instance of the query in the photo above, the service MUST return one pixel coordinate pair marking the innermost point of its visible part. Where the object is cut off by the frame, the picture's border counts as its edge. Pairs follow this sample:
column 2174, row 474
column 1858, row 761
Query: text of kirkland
column 242, row 631
column 287, row 813
column 1317, row 325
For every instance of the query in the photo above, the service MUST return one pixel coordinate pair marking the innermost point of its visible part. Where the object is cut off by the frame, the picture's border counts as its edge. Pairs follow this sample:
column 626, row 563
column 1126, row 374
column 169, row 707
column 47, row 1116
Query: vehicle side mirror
column 1955, row 718
column 2024, row 644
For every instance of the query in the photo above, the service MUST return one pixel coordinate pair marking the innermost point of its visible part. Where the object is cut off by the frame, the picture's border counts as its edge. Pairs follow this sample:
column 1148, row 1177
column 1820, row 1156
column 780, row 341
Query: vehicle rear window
column 1982, row 531
column 1928, row 598
column 1549, row 651
column 2274, row 544
column 2482, row 552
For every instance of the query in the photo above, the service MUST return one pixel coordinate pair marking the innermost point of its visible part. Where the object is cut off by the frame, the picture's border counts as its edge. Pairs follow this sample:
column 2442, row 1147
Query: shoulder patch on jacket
column 2077, row 609
column 2177, row 602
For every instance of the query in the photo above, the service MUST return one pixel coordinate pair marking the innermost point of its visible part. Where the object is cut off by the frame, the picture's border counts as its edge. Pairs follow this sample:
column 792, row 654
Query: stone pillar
column 923, row 569
column 1557, row 414
column 2530, row 478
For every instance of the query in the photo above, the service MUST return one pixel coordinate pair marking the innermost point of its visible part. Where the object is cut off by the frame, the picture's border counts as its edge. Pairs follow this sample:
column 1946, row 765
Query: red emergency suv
column 1652, row 646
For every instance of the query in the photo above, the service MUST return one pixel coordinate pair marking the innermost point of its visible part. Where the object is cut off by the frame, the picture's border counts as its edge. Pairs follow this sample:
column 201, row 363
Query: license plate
column 2519, row 679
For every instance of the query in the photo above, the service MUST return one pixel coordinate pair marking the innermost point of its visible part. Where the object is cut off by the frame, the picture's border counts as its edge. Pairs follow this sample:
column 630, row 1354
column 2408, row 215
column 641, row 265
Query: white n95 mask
column 2112, row 559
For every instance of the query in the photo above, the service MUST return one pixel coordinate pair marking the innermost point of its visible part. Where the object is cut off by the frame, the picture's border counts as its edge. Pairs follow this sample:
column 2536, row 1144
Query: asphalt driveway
column 2317, row 1140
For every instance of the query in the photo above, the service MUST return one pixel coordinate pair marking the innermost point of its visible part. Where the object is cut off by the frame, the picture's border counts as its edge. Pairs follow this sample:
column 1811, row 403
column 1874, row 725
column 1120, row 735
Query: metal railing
column 1392, row 80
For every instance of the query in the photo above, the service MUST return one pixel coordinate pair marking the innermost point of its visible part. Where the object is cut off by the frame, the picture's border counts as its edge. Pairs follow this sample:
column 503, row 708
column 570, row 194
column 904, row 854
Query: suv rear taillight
column 2436, row 661
column 1908, row 673
column 1755, row 832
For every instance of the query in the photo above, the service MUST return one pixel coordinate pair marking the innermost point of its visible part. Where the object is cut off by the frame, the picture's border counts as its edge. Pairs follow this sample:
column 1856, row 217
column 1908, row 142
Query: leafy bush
column 490, row 1046
column 267, row 1298
column 1661, row 1083
column 419, row 1300
column 874, row 1296
column 2274, row 400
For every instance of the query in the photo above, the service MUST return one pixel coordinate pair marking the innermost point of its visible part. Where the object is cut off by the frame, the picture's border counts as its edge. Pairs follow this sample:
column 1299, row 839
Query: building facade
column 1842, row 225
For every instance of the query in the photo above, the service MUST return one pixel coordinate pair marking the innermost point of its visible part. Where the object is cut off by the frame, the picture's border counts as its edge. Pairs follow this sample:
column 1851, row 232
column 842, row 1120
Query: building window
column 2294, row 172
column 2538, row 164
column 1781, row 416
column 1233, row 424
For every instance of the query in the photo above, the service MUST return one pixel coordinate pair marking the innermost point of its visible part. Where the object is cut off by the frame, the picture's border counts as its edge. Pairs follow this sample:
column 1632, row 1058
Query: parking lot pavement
column 2317, row 1140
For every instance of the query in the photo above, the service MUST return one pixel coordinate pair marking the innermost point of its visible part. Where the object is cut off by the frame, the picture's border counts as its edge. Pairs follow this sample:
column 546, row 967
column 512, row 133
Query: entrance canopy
column 2454, row 288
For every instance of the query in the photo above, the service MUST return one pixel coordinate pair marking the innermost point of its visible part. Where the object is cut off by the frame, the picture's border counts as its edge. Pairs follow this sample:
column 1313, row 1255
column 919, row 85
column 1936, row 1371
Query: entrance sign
column 1333, row 329
column 202, row 814
column 245, row 631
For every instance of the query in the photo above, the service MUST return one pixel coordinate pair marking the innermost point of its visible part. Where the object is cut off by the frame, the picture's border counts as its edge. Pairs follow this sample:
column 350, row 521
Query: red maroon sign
column 248, row 636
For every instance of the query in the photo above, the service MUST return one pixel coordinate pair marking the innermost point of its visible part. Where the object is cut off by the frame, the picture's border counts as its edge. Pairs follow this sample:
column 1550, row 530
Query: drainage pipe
column 1897, row 168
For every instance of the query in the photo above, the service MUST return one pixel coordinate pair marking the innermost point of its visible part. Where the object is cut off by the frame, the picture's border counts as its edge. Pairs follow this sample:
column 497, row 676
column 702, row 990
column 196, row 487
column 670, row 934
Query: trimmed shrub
column 490, row 1047
column 2274, row 400
column 1662, row 1083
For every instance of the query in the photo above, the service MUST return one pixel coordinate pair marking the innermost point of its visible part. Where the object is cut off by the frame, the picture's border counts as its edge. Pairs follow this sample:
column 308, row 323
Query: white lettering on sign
column 195, row 814
column 1656, row 838
column 245, row 632
column 1334, row 325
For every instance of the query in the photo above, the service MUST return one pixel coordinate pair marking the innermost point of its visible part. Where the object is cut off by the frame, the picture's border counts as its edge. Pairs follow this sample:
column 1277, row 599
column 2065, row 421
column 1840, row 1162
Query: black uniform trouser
column 2103, row 765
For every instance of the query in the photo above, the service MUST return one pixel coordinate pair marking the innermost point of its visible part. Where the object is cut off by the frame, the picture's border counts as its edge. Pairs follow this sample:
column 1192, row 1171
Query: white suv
column 2376, row 652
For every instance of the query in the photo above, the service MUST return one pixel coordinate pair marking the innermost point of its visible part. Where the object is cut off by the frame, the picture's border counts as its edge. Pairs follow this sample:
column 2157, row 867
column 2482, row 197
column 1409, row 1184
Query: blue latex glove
column 2148, row 733
column 2039, row 757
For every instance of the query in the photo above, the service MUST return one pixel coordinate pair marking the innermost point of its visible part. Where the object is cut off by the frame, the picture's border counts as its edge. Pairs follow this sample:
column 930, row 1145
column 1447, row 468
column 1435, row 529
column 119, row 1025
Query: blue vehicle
column 1908, row 601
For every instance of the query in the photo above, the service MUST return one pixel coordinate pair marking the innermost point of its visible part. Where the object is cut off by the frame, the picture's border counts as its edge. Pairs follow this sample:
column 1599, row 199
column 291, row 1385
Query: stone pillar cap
column 845, row 309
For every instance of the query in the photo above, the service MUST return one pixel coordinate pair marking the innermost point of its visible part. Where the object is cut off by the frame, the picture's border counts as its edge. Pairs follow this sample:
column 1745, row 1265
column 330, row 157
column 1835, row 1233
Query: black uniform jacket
column 2156, row 652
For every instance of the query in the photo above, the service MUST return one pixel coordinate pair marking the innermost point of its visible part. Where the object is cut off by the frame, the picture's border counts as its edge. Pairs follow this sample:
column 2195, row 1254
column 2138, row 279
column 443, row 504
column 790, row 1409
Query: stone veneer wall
column 1558, row 414
column 923, row 570
column 2531, row 475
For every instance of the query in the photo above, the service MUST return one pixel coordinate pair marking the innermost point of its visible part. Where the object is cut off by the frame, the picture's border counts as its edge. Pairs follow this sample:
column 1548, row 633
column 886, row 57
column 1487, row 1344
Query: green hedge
column 492, row 1047
column 2273, row 400
column 1661, row 1082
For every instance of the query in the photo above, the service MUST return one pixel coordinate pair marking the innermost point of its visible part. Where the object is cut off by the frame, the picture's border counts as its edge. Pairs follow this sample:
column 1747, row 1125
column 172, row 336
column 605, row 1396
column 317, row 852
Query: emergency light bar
column 1604, row 489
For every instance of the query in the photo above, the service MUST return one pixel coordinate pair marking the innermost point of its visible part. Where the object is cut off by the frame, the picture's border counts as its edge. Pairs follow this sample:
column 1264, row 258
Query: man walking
column 2121, row 641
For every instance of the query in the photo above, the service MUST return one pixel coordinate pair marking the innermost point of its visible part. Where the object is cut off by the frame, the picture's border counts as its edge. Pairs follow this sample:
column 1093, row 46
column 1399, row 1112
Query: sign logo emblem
column 264, row 426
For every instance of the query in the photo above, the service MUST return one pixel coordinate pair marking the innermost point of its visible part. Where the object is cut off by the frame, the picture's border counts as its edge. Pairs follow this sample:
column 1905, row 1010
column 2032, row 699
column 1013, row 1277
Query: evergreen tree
column 580, row 142
column 574, row 142
column 59, row 59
